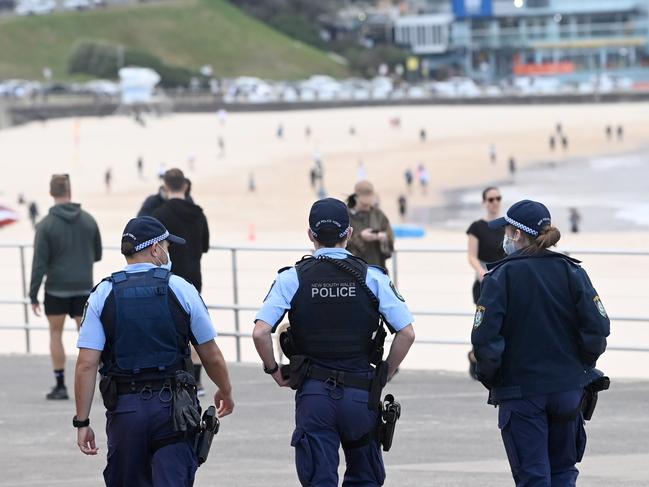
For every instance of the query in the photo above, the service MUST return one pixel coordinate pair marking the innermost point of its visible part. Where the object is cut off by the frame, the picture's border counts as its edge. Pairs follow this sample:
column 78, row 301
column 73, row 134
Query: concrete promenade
column 447, row 436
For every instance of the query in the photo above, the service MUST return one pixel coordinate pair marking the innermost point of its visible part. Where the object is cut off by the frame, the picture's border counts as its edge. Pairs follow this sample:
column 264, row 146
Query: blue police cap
column 329, row 220
column 144, row 231
column 528, row 216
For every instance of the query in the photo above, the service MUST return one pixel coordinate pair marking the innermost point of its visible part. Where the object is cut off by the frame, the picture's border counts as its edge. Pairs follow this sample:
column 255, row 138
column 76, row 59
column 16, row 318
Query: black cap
column 329, row 220
column 145, row 231
column 528, row 216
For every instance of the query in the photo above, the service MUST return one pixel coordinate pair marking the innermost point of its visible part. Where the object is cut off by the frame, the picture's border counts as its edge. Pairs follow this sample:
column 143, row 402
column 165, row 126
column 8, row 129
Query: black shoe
column 58, row 393
column 472, row 365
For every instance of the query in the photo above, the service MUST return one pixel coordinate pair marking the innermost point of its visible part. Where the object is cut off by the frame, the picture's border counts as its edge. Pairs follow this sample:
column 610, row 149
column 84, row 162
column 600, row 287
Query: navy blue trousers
column 131, row 428
column 324, row 418
column 543, row 448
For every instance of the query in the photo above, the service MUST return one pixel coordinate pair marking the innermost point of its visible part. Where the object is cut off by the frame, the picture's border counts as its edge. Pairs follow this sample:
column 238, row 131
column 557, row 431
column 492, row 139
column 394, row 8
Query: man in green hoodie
column 66, row 244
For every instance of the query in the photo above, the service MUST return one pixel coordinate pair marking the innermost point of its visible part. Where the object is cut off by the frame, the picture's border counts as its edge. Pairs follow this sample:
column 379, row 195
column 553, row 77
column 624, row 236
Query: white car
column 77, row 4
column 35, row 7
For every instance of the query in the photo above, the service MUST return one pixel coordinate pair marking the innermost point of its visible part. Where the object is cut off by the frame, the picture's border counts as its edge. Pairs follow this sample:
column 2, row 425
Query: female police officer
column 332, row 302
column 138, row 323
column 538, row 330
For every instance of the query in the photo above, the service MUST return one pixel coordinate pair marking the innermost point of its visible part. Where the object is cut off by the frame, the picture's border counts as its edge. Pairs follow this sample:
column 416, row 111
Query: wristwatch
column 273, row 370
column 80, row 424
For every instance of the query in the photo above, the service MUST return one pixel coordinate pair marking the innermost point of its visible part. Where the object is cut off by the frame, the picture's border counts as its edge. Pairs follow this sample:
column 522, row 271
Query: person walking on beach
column 33, row 213
column 492, row 154
column 552, row 143
column 408, row 176
column 564, row 143
column 108, row 178
column 620, row 133
column 609, row 132
column 373, row 238
column 140, row 167
column 484, row 246
column 575, row 220
column 402, row 202
column 184, row 218
column 512, row 166
column 66, row 245
column 422, row 135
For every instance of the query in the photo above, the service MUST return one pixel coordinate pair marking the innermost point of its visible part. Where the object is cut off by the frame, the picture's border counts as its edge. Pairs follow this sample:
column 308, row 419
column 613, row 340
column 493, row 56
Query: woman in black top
column 485, row 245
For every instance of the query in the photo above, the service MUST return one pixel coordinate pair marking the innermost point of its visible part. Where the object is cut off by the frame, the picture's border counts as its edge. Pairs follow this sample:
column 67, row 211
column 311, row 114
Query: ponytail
column 548, row 237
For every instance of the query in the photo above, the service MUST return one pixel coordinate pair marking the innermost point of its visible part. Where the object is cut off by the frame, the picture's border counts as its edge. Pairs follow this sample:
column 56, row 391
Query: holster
column 390, row 414
column 286, row 343
column 209, row 428
column 589, row 402
column 108, row 389
column 378, row 383
column 297, row 371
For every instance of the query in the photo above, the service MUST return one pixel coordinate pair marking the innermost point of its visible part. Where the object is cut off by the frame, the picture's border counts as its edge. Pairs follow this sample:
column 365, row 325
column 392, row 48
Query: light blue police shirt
column 391, row 305
column 91, row 334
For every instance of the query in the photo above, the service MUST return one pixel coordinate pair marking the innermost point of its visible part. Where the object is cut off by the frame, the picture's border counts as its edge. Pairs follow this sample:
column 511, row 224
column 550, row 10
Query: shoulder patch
column 396, row 293
column 479, row 316
column 600, row 306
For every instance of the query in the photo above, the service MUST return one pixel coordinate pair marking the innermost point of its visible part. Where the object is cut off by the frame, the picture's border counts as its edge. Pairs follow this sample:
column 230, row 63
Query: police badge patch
column 396, row 293
column 479, row 315
column 600, row 306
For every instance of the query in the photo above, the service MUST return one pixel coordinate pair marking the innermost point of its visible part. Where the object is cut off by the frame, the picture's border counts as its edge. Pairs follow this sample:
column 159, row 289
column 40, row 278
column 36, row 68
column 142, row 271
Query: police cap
column 144, row 231
column 329, row 220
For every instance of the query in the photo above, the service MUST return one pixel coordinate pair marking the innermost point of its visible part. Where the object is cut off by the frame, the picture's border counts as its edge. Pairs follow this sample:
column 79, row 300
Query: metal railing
column 236, row 307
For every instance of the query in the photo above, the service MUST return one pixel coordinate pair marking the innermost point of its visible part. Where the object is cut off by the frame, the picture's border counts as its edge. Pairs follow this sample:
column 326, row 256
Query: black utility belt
column 135, row 387
column 338, row 378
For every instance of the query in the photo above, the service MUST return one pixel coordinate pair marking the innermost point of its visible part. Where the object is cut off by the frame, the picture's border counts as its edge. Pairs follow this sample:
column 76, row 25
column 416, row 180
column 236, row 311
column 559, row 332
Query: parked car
column 35, row 7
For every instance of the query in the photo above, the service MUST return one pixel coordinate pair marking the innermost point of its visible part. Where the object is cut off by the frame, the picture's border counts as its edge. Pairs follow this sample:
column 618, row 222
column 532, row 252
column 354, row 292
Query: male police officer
column 138, row 323
column 334, row 301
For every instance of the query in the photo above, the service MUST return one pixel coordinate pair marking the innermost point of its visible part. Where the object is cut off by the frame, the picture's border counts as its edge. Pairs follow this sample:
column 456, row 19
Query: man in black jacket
column 66, row 244
column 184, row 218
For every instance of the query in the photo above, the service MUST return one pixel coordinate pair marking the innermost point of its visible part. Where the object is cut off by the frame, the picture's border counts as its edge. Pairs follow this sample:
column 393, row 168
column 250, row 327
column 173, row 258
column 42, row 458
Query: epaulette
column 284, row 269
column 381, row 268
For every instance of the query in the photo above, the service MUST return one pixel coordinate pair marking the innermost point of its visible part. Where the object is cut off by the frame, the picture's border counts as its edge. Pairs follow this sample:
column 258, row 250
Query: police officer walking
column 335, row 302
column 538, row 331
column 138, row 323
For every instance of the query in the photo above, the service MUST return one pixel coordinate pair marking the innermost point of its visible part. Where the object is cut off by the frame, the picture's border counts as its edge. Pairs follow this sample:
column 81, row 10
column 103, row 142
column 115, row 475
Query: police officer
column 333, row 317
column 138, row 323
column 538, row 330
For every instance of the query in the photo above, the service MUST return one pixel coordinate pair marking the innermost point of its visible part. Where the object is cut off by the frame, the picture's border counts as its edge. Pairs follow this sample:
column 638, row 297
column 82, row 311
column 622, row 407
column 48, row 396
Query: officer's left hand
column 86, row 441
column 224, row 403
column 281, row 381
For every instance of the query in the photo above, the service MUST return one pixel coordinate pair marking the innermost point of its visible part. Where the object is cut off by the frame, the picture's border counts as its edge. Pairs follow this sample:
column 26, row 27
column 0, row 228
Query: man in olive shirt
column 66, row 244
column 372, row 239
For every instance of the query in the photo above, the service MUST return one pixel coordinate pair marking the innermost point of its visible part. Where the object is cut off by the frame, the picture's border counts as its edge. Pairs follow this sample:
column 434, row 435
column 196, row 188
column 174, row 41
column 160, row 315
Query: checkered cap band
column 152, row 241
column 520, row 226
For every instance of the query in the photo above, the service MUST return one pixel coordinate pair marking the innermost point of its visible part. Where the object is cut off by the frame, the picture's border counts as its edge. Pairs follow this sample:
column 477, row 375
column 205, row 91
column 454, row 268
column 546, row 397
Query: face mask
column 509, row 245
column 168, row 264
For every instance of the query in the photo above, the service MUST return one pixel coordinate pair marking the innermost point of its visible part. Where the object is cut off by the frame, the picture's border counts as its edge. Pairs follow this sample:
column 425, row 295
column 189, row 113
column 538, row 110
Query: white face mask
column 509, row 245
column 167, row 265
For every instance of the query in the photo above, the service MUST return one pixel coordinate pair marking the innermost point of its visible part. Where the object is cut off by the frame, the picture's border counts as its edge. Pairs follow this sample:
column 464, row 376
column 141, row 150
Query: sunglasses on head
column 494, row 198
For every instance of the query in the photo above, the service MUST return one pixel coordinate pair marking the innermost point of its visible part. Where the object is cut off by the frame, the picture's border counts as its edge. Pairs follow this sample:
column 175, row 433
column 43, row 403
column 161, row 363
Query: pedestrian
column 575, row 220
column 334, row 302
column 108, row 177
column 252, row 185
column 361, row 172
column 313, row 177
column 184, row 218
column 512, row 166
column 408, row 176
column 493, row 156
column 559, row 128
column 307, row 132
column 552, row 143
column 66, row 245
column 620, row 133
column 140, row 167
column 609, row 132
column 485, row 245
column 402, row 202
column 352, row 130
column 152, row 202
column 424, row 178
column 538, row 331
column 33, row 213
column 280, row 131
column 373, row 238
column 138, row 325
column 422, row 135
column 564, row 143
column 221, row 144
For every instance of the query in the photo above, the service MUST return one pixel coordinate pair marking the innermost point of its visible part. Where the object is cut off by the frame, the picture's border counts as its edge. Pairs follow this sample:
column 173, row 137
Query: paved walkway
column 447, row 435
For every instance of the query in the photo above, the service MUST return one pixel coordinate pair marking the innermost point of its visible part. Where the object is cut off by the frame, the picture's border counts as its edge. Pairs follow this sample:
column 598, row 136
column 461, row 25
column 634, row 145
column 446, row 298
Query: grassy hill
column 187, row 33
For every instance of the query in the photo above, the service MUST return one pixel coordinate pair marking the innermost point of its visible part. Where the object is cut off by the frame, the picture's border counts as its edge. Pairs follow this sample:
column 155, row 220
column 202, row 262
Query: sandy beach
column 456, row 153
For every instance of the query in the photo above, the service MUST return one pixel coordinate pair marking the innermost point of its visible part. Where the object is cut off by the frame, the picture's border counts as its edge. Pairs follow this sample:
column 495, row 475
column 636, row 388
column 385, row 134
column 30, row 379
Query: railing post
column 235, row 298
column 23, row 275
column 395, row 277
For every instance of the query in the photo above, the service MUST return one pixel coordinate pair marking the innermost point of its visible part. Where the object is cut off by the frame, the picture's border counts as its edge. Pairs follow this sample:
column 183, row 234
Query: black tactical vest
column 331, row 315
column 147, row 330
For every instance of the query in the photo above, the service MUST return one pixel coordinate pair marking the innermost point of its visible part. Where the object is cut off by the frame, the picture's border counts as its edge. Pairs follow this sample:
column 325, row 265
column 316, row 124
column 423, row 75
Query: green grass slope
column 188, row 33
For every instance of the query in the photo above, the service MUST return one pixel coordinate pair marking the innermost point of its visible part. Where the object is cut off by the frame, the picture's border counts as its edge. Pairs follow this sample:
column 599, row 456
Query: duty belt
column 338, row 378
column 136, row 387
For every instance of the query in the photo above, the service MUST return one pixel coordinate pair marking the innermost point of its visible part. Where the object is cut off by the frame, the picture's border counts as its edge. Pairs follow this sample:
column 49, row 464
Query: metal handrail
column 236, row 307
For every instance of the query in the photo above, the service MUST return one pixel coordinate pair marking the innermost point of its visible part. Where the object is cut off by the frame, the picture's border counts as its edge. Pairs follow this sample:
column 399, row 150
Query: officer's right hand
column 86, row 441
column 224, row 403
column 281, row 381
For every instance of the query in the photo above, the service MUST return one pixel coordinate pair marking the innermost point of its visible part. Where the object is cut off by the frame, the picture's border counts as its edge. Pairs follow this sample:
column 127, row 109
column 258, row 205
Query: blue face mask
column 167, row 265
column 509, row 245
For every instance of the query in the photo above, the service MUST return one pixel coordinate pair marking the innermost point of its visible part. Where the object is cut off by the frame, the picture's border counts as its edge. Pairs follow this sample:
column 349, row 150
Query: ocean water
column 611, row 193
